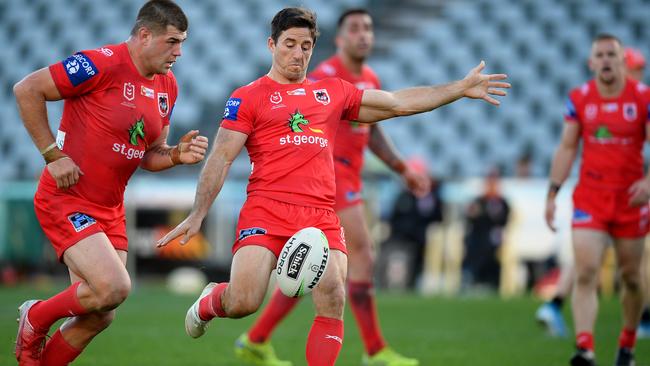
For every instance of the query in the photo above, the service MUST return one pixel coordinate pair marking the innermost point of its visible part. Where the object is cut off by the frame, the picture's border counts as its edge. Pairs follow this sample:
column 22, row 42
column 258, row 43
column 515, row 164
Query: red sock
column 324, row 341
column 627, row 339
column 58, row 352
column 362, row 302
column 62, row 305
column 585, row 340
column 278, row 307
column 210, row 306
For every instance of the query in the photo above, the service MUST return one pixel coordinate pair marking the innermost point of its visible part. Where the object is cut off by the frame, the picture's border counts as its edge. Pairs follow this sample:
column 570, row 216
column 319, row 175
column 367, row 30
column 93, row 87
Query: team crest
column 629, row 112
column 276, row 98
column 591, row 110
column 321, row 96
column 163, row 104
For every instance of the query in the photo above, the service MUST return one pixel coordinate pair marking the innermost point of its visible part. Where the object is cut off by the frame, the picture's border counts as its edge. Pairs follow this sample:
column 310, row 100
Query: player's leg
column 77, row 332
column 549, row 314
column 326, row 335
column 243, row 295
column 588, row 249
column 106, row 284
column 360, row 288
column 644, row 326
column 629, row 254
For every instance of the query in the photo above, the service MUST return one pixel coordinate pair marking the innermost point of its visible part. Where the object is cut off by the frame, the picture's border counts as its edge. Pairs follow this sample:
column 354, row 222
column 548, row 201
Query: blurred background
column 472, row 150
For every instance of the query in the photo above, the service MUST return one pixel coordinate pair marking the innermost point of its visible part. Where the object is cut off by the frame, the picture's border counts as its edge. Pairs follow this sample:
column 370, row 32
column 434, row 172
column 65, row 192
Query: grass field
column 439, row 331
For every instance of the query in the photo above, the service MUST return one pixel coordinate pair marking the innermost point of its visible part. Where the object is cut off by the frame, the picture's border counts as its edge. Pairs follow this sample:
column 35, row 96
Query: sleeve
column 78, row 74
column 238, row 114
column 571, row 112
column 352, row 103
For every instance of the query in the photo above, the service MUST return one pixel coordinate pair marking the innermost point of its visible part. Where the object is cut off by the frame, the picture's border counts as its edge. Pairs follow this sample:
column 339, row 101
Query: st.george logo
column 163, row 104
column 321, row 96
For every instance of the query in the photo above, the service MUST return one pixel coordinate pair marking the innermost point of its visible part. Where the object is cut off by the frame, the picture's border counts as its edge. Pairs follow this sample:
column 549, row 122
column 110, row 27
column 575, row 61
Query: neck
column 135, row 53
column 353, row 65
column 278, row 77
column 611, row 90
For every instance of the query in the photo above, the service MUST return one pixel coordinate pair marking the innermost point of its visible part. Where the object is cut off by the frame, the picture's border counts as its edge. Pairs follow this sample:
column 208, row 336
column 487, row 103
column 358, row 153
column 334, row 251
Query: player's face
column 356, row 36
column 162, row 49
column 606, row 60
column 292, row 52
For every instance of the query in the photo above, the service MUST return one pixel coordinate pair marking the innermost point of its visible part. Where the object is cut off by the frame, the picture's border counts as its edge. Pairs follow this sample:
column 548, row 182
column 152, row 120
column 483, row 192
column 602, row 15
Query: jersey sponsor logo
column 147, row 92
column 299, row 91
column 136, row 130
column 630, row 112
column 232, row 108
column 106, row 51
column 253, row 231
column 276, row 98
column 129, row 91
column 80, row 221
column 591, row 111
column 580, row 216
column 609, row 107
column 322, row 96
column 79, row 68
column 297, row 122
column 163, row 104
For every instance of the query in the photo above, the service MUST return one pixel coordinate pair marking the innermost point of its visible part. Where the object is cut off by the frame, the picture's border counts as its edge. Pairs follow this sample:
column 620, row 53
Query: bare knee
column 329, row 299
column 631, row 280
column 110, row 294
column 587, row 276
column 241, row 304
column 99, row 321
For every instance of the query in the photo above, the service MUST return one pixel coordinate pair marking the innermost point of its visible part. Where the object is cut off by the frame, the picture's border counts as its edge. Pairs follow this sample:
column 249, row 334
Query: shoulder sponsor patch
column 232, row 108
column 253, row 231
column 79, row 68
column 80, row 221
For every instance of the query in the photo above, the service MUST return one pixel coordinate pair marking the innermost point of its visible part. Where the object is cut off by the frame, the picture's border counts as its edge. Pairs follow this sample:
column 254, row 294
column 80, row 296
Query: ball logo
column 284, row 255
column 321, row 268
column 297, row 259
column 72, row 66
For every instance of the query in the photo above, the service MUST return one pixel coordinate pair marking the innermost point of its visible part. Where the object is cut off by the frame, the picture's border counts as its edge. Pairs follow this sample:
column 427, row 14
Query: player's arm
column 378, row 105
column 640, row 190
column 227, row 145
column 563, row 159
column 190, row 149
column 31, row 94
column 383, row 148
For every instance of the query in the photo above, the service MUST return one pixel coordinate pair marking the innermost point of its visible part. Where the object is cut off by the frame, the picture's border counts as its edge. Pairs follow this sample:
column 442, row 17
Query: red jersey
column 352, row 137
column 613, row 133
column 111, row 115
column 289, row 128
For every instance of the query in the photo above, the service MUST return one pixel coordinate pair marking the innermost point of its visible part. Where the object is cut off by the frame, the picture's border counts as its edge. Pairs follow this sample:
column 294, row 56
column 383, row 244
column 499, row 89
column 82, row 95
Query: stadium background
column 541, row 45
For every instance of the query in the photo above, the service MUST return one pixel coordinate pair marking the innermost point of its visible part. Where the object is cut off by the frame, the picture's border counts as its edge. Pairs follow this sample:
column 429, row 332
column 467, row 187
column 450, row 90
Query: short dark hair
column 607, row 37
column 347, row 13
column 294, row 18
column 156, row 15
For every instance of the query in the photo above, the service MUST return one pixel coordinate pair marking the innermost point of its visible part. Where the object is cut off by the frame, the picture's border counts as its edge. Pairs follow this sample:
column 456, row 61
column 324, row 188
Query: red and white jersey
column 290, row 128
column 352, row 137
column 111, row 115
column 613, row 131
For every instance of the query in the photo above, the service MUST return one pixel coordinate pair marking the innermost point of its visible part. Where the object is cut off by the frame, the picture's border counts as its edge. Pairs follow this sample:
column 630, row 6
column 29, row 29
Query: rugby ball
column 302, row 262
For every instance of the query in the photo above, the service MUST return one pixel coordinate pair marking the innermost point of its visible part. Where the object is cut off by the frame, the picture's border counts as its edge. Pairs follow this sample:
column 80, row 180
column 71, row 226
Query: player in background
column 354, row 42
column 117, row 103
column 609, row 114
column 287, row 124
column 549, row 314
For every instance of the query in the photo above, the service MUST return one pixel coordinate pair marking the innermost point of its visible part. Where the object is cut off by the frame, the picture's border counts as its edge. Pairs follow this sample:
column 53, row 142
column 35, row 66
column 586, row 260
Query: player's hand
column 192, row 147
column 65, row 172
column 419, row 184
column 639, row 193
column 550, row 214
column 482, row 86
column 188, row 228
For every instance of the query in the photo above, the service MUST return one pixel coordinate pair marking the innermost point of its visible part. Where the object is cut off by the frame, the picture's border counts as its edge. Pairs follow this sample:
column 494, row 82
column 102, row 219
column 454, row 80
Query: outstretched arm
column 378, row 105
column 227, row 145
column 640, row 190
column 381, row 145
column 191, row 149
column 563, row 159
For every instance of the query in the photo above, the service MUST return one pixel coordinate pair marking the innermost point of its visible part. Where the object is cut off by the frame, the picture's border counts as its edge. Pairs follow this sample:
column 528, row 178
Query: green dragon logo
column 296, row 120
column 603, row 133
column 137, row 130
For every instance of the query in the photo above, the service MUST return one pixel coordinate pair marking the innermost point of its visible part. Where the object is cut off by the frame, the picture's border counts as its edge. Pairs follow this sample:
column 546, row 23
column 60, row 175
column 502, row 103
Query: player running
column 609, row 114
column 354, row 42
column 117, row 103
column 287, row 124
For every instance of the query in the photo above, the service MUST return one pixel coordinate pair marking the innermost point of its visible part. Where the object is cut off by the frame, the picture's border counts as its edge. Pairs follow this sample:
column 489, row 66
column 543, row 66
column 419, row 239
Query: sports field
column 439, row 331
